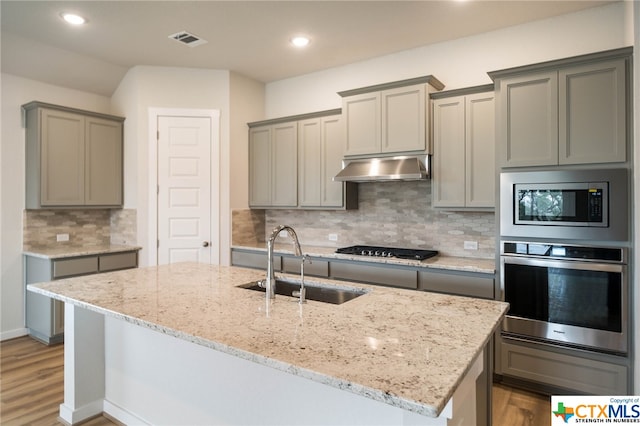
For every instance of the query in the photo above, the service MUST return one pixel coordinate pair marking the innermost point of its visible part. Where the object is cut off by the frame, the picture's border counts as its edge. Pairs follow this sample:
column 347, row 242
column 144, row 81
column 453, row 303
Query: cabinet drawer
column 254, row 260
column 318, row 268
column 112, row 262
column 385, row 275
column 460, row 284
column 77, row 266
column 569, row 372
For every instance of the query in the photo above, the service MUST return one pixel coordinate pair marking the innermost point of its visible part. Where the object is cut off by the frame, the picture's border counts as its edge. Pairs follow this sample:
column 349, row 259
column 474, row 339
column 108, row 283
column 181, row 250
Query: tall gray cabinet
column 73, row 157
column 550, row 116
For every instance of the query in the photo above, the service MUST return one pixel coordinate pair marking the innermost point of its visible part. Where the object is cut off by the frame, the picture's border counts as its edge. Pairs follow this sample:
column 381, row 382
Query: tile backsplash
column 88, row 228
column 123, row 226
column 392, row 214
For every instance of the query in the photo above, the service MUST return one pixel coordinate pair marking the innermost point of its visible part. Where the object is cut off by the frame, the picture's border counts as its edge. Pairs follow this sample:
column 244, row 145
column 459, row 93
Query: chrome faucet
column 270, row 282
column 303, row 292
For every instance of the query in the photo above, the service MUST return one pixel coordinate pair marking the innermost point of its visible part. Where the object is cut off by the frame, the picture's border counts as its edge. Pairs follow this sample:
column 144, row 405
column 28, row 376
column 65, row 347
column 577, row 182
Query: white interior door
column 184, row 189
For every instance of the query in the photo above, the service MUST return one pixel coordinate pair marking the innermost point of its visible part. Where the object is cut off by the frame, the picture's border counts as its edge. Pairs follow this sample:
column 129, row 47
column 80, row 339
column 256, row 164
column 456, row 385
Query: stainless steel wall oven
column 566, row 294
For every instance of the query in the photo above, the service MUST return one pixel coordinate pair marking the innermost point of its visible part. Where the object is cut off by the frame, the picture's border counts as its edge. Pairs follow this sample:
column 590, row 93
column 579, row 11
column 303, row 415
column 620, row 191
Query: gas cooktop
column 400, row 253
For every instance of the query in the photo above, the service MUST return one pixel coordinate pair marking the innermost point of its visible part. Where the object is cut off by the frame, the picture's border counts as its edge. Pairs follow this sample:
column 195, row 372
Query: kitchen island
column 182, row 344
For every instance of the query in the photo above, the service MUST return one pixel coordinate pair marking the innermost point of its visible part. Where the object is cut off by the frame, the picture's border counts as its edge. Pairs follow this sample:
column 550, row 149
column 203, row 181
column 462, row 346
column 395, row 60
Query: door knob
column 205, row 244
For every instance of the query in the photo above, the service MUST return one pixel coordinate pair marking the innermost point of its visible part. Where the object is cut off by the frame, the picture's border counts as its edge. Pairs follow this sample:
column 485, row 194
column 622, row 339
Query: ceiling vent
column 187, row 38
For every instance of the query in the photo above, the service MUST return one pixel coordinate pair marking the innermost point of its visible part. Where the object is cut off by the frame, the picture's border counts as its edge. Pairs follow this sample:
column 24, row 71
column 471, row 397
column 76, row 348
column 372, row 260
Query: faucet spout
column 270, row 282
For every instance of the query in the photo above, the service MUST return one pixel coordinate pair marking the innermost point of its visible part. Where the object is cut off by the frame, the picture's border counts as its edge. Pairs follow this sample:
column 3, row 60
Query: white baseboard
column 72, row 416
column 121, row 415
column 12, row 334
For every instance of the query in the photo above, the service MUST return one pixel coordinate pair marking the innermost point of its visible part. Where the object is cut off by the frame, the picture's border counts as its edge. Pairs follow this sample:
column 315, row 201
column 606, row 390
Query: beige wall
column 17, row 91
column 247, row 105
column 147, row 87
column 459, row 63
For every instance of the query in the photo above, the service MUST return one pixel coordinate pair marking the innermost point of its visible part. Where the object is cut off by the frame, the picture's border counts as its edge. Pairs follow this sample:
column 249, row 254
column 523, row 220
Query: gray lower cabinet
column 560, row 370
column 317, row 267
column 255, row 260
column 373, row 274
column 472, row 284
column 459, row 283
column 45, row 316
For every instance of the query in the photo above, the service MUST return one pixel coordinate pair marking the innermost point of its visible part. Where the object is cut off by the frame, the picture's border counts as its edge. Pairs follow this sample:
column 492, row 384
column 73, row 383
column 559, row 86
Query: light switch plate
column 62, row 237
column 333, row 237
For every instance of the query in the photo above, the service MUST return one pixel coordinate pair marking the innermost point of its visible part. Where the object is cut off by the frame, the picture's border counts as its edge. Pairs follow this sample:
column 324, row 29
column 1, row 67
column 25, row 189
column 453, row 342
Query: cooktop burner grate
column 378, row 251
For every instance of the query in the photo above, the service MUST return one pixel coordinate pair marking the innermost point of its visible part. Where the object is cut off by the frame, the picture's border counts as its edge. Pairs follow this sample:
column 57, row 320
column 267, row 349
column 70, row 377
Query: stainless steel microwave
column 579, row 204
column 562, row 204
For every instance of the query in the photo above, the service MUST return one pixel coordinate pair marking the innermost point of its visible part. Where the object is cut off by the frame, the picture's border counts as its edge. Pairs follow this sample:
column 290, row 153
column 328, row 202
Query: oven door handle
column 564, row 264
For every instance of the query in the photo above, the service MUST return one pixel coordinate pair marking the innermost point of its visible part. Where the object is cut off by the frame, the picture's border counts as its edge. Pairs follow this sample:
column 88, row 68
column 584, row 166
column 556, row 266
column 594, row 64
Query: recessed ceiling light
column 73, row 19
column 300, row 41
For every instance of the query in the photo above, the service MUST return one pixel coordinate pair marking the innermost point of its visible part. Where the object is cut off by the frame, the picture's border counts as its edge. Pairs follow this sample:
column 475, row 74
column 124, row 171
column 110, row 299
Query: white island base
column 141, row 376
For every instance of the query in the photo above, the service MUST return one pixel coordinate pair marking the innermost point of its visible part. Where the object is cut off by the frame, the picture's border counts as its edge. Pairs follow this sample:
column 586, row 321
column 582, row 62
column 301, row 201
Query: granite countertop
column 468, row 264
column 62, row 250
column 406, row 348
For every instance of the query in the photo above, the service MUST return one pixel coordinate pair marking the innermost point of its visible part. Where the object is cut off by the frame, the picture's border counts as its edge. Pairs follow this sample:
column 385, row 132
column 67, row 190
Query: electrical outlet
column 333, row 237
column 62, row 237
column 283, row 234
column 471, row 245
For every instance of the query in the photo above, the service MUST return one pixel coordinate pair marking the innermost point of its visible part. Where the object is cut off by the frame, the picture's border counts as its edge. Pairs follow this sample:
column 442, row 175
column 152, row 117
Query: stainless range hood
column 384, row 169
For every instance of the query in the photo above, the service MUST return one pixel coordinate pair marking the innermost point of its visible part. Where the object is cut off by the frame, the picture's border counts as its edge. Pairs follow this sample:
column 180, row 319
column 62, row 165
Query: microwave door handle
column 564, row 264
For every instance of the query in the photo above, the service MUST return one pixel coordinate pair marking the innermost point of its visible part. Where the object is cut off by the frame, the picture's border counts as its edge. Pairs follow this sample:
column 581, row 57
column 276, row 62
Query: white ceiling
column 249, row 37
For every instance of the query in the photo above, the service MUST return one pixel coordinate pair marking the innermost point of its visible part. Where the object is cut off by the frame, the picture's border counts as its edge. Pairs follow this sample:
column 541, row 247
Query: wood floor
column 31, row 390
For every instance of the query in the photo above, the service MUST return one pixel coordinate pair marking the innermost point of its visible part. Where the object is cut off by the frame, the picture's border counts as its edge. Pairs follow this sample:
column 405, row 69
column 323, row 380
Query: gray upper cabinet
column 388, row 118
column 528, row 120
column 592, row 106
column 103, row 162
column 464, row 151
column 73, row 158
column 320, row 154
column 572, row 111
column 292, row 162
column 362, row 124
column 273, row 165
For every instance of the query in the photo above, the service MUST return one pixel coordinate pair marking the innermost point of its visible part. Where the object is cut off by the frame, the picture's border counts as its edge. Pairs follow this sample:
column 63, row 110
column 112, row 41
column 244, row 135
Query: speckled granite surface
column 406, row 348
column 467, row 264
column 71, row 250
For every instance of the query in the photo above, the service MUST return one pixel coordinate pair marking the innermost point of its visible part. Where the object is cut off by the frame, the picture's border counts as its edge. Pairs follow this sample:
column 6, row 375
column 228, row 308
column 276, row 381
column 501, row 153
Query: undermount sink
column 319, row 293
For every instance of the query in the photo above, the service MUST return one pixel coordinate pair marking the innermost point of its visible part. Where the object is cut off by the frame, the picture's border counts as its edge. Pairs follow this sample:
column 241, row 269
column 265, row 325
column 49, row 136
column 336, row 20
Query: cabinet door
column 260, row 166
column 310, row 161
column 480, row 150
column 62, row 158
column 592, row 116
column 404, row 118
column 103, row 162
column 448, row 184
column 332, row 152
column 362, row 123
column 528, row 120
column 284, row 165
